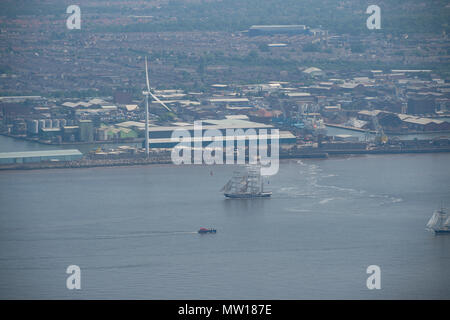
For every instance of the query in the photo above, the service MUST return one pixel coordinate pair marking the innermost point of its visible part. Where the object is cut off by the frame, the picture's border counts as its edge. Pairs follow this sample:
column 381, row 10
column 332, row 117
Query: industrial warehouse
column 258, row 30
column 246, row 138
column 230, row 122
column 40, row 156
column 242, row 130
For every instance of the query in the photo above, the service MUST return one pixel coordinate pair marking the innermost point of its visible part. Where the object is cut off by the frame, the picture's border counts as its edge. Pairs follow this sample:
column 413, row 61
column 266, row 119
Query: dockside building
column 38, row 156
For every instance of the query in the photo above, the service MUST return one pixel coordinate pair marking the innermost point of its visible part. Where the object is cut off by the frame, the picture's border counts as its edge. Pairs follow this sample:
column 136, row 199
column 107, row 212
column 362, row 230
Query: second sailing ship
column 439, row 222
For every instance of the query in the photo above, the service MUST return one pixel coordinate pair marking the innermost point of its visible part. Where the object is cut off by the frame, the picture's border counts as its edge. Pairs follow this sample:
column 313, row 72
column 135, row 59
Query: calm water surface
column 132, row 231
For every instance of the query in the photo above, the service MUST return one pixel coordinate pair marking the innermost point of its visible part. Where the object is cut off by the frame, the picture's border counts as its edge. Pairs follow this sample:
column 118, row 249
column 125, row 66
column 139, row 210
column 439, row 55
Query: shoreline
column 126, row 162
column 388, row 132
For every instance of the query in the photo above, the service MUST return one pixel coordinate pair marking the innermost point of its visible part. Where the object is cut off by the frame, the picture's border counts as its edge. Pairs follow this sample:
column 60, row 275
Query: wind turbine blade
column 162, row 103
column 146, row 75
column 148, row 88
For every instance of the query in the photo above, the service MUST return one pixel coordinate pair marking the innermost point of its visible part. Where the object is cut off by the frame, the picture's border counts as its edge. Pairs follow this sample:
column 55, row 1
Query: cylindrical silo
column 41, row 124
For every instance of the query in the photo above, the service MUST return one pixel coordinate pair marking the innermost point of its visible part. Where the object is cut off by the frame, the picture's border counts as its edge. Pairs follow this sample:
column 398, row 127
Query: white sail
column 447, row 222
column 246, row 183
column 227, row 186
column 433, row 220
column 439, row 221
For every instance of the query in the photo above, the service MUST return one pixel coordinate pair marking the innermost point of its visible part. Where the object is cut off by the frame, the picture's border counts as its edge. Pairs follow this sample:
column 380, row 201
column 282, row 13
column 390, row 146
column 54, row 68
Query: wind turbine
column 146, row 94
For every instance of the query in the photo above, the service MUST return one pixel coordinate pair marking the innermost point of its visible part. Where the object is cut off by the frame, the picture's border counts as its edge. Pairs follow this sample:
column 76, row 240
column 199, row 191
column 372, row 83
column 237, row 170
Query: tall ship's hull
column 441, row 231
column 248, row 195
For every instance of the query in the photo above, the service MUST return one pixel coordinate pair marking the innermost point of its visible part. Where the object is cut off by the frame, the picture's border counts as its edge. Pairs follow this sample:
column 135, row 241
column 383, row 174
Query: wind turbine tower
column 146, row 94
column 146, row 110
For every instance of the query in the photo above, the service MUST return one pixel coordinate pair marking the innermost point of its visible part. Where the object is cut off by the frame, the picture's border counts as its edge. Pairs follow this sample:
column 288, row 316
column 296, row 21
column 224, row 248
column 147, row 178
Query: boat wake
column 327, row 200
column 106, row 236
column 313, row 185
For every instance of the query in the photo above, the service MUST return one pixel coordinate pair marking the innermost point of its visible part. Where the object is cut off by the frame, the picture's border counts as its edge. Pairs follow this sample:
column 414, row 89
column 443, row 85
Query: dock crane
column 380, row 137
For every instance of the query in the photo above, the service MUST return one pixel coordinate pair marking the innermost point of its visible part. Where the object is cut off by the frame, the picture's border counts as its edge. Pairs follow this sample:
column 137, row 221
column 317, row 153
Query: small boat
column 204, row 230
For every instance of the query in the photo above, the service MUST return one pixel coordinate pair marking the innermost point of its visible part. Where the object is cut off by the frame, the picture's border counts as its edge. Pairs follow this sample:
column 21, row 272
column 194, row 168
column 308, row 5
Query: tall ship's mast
column 246, row 184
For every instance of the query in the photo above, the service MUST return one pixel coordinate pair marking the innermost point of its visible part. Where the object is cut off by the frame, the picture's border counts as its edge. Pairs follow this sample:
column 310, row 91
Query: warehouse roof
column 228, row 100
column 370, row 112
column 301, row 26
column 229, row 123
column 298, row 94
column 41, row 153
column 419, row 120
column 282, row 135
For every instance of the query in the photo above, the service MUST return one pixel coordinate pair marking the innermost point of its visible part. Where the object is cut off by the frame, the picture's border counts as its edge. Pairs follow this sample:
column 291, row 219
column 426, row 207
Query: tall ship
column 246, row 185
column 439, row 222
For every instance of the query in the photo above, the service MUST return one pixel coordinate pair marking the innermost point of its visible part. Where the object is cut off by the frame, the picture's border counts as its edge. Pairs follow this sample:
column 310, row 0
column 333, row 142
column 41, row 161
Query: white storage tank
column 102, row 134
column 33, row 126
column 41, row 124
column 48, row 123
